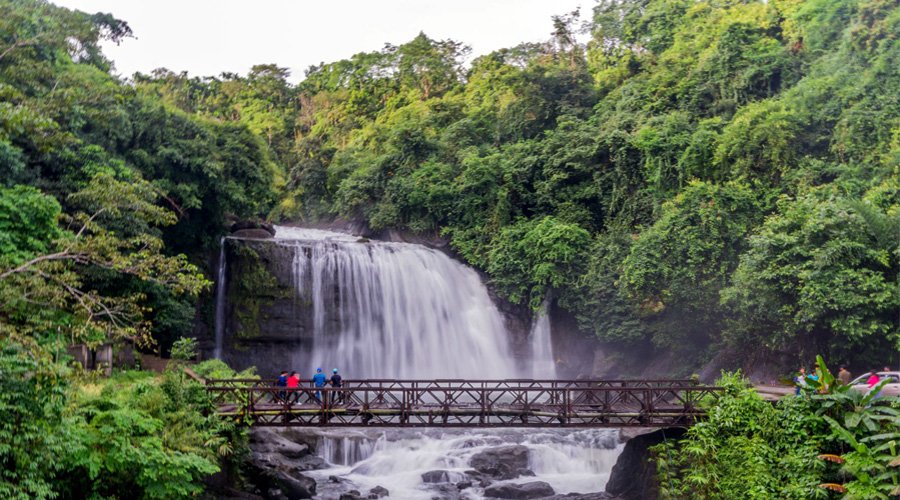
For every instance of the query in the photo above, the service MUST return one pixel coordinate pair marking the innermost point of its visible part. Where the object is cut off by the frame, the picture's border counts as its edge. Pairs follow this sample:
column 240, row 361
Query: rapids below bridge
column 465, row 403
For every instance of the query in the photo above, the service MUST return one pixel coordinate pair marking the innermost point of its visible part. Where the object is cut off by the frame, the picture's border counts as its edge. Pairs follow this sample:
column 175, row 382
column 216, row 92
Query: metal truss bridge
column 465, row 403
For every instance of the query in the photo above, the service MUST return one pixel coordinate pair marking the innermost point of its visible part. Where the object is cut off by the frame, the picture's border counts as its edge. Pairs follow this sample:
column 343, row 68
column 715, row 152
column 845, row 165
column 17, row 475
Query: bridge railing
column 466, row 404
column 221, row 395
column 416, row 383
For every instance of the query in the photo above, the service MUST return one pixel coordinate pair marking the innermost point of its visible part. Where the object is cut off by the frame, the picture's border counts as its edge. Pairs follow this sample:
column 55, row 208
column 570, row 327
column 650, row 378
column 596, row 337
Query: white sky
column 207, row 37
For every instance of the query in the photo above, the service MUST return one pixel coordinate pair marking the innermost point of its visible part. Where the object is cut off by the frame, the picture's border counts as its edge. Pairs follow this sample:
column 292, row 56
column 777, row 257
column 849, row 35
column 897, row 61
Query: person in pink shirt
column 872, row 380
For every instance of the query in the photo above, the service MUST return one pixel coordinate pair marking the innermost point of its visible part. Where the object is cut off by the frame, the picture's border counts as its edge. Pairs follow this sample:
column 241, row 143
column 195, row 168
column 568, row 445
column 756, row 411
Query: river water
column 399, row 310
column 570, row 461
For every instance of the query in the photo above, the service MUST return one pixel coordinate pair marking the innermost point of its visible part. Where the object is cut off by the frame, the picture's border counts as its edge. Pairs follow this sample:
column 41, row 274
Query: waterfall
column 220, row 301
column 543, row 364
column 395, row 310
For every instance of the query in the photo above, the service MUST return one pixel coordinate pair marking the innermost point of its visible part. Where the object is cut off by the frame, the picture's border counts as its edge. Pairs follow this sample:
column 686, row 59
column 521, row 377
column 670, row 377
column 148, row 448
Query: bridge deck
column 465, row 403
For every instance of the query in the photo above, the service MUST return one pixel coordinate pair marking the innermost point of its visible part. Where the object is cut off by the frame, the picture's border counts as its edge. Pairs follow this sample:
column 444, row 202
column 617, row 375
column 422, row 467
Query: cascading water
column 543, row 364
column 220, row 301
column 570, row 461
column 396, row 310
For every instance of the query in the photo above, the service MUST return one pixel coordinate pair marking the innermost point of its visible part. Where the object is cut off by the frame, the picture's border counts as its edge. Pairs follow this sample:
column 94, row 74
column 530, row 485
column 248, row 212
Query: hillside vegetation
column 695, row 175
column 698, row 173
column 682, row 175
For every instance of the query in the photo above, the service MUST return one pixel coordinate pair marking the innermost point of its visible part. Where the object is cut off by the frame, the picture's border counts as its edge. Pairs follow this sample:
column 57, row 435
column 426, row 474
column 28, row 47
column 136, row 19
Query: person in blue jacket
column 281, row 383
column 318, row 380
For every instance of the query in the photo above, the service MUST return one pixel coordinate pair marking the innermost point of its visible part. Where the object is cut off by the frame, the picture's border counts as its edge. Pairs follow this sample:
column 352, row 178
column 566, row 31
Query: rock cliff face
column 264, row 320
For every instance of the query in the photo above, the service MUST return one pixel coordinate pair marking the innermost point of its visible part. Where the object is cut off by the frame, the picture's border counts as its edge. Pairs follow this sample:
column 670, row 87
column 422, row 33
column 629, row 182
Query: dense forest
column 682, row 175
column 696, row 176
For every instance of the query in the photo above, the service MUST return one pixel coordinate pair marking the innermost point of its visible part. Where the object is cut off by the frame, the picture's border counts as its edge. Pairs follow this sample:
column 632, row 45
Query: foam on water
column 570, row 461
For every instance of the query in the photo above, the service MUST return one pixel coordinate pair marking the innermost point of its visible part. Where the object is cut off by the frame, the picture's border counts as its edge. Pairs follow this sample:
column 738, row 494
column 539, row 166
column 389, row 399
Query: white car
column 892, row 388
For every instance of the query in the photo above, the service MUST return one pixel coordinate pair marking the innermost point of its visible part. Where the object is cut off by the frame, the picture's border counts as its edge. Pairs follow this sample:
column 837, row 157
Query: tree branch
column 16, row 45
column 64, row 255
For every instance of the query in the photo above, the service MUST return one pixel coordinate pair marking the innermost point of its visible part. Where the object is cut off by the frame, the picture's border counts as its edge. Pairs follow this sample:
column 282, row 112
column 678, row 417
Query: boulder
column 351, row 495
column 446, row 491
column 633, row 477
column 502, row 462
column 378, row 492
column 291, row 487
column 583, row 496
column 436, row 476
column 263, row 229
column 275, row 463
column 268, row 441
column 534, row 489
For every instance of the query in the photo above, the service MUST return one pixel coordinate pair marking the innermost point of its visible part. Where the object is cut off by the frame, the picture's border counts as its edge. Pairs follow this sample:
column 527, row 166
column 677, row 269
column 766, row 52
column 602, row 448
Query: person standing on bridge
column 293, row 382
column 281, row 383
column 318, row 381
column 336, row 382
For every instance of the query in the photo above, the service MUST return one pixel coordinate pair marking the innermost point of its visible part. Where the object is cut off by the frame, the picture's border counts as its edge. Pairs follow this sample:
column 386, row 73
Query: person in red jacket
column 293, row 382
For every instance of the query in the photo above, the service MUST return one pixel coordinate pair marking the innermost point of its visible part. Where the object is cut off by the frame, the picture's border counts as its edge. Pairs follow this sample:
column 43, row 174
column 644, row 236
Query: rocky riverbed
column 510, row 464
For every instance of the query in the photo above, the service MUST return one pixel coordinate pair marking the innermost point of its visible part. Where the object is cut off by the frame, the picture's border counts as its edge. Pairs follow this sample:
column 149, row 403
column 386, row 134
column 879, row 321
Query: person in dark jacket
column 336, row 382
column 281, row 382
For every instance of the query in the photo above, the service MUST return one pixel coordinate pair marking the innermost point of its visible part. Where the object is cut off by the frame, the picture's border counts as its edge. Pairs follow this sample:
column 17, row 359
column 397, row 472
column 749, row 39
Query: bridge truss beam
column 465, row 403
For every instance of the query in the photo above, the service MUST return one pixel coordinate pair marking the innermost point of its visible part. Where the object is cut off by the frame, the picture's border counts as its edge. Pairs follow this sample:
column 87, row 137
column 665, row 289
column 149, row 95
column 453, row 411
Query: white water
column 395, row 310
column 543, row 364
column 220, row 301
column 570, row 461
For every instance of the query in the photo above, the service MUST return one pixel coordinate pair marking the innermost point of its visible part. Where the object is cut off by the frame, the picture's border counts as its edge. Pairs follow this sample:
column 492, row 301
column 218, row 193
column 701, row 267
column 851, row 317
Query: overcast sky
column 207, row 37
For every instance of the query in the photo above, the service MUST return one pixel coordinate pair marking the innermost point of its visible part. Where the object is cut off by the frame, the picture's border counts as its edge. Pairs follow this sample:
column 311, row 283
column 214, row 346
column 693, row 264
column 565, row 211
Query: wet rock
column 351, row 495
column 334, row 479
column 269, row 442
column 633, row 477
column 311, row 462
column 502, row 462
column 584, row 496
column 274, row 464
column 463, row 485
column 436, row 476
column 446, row 491
column 233, row 494
column 534, row 489
column 378, row 492
column 290, row 487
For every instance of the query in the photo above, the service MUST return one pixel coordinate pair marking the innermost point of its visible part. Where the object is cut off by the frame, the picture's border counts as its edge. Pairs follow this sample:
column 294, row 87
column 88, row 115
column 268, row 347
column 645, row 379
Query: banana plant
column 872, row 462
